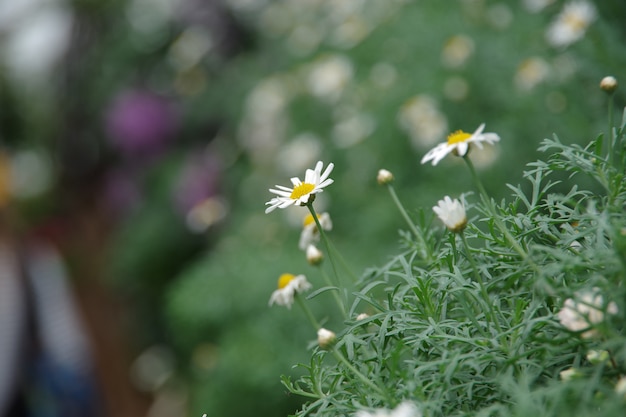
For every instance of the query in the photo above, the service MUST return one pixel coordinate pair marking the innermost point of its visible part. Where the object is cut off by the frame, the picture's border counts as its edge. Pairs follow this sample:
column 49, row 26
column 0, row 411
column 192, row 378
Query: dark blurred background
column 139, row 138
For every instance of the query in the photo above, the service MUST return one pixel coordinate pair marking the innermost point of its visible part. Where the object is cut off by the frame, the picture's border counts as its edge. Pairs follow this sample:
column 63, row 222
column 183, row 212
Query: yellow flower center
column 300, row 190
column 575, row 22
column 308, row 219
column 458, row 137
column 284, row 280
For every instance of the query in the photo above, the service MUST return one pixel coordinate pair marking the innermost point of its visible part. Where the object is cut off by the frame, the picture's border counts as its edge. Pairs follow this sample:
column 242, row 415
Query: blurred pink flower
column 141, row 122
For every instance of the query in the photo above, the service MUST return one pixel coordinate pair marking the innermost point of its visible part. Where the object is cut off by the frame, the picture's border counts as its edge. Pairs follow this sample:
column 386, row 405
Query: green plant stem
column 336, row 296
column 483, row 290
column 358, row 373
column 326, row 243
column 307, row 312
column 612, row 144
column 424, row 247
column 505, row 231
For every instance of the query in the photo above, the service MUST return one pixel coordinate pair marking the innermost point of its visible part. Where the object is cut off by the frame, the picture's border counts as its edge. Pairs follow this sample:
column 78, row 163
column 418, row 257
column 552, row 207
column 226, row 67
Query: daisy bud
column 608, row 84
column 620, row 387
column 313, row 255
column 326, row 338
column 362, row 316
column 569, row 374
column 384, row 177
column 597, row 357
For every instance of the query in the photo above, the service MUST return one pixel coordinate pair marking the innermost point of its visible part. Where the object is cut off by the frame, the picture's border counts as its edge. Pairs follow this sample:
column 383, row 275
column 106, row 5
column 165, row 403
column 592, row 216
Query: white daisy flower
column 288, row 286
column 459, row 142
column 405, row 409
column 585, row 311
column 310, row 235
column 452, row 214
column 571, row 24
column 302, row 192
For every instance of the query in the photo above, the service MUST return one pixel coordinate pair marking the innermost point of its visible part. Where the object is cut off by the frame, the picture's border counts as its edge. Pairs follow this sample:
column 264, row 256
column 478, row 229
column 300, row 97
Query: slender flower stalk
column 487, row 200
column 483, row 289
column 386, row 178
column 307, row 312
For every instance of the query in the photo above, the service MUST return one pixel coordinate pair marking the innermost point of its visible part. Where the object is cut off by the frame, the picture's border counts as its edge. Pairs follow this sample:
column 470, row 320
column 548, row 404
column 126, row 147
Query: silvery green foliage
column 435, row 337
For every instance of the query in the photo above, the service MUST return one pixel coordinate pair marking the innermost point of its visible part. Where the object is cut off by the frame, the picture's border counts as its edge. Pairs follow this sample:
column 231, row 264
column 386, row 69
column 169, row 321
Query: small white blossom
column 314, row 182
column 452, row 214
column 459, row 142
column 310, row 235
column 405, row 409
column 585, row 311
column 288, row 286
column 571, row 24
column 608, row 84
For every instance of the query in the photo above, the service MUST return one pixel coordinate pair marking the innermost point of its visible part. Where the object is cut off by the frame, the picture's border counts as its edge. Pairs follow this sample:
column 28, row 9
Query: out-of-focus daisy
column 571, row 24
column 405, row 409
column 288, row 286
column 303, row 191
column 421, row 118
column 457, row 50
column 310, row 234
column 452, row 214
column 586, row 310
column 329, row 76
column 531, row 72
column 459, row 142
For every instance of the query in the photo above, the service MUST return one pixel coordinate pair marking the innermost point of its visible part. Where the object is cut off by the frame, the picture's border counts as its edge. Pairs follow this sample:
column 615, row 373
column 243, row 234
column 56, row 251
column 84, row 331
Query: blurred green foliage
column 268, row 88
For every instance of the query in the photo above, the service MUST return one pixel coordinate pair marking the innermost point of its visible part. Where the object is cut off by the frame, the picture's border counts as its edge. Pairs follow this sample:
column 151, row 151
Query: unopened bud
column 313, row 255
column 362, row 316
column 608, row 84
column 384, row 177
column 326, row 338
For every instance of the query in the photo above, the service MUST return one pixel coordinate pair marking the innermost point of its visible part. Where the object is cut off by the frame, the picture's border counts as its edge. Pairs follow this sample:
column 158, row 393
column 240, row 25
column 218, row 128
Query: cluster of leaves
column 472, row 329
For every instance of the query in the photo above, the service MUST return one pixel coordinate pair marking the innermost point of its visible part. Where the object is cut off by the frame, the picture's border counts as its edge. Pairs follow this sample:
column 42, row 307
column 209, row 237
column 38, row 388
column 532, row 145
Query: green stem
column 424, row 247
column 336, row 296
column 325, row 240
column 358, row 373
column 481, row 284
column 505, row 231
column 612, row 143
column 307, row 312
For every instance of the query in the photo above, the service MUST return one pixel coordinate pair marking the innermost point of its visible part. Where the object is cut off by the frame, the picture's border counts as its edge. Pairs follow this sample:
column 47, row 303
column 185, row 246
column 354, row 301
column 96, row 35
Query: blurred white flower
column 584, row 311
column 314, row 182
column 421, row 119
column 310, row 235
column 353, row 129
column 451, row 213
column 531, row 72
column 329, row 76
column 299, row 152
column 457, row 50
column 459, row 142
column 571, row 24
column 288, row 286
column 405, row 409
column 265, row 121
